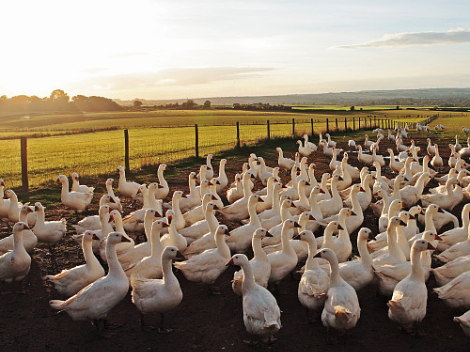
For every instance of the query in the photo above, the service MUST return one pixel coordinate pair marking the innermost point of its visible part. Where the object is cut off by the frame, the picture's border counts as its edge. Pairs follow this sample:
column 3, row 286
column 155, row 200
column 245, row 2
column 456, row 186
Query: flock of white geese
column 276, row 223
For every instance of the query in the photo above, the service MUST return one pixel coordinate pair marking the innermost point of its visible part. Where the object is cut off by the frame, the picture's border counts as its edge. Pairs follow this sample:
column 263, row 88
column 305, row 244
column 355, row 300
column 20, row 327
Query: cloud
column 453, row 36
column 177, row 77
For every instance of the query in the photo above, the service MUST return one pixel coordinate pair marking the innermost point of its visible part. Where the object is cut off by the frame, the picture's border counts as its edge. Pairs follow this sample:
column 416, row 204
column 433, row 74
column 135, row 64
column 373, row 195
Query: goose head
column 238, row 259
column 365, row 233
column 422, row 245
column 222, row 230
column 261, row 233
column 394, row 222
column 114, row 238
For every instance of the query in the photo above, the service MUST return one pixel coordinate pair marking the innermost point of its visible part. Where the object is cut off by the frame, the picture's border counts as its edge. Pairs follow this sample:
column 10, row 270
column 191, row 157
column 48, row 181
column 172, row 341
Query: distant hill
column 419, row 97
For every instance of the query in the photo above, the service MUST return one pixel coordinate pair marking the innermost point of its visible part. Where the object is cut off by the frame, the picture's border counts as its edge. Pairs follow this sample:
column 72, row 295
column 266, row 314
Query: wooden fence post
column 359, row 123
column 354, row 124
column 370, row 122
column 24, row 164
column 311, row 125
column 293, row 127
column 345, row 124
column 238, row 135
column 336, row 120
column 196, row 144
column 375, row 122
column 327, row 126
column 126, row 150
column 269, row 129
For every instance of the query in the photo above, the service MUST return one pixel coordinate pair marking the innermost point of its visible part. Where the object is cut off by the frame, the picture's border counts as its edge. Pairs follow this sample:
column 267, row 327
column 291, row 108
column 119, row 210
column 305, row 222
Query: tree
column 352, row 108
column 207, row 104
column 189, row 104
column 137, row 104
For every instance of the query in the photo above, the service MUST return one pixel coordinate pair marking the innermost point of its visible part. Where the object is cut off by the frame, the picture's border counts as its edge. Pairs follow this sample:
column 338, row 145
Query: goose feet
column 250, row 342
column 269, row 340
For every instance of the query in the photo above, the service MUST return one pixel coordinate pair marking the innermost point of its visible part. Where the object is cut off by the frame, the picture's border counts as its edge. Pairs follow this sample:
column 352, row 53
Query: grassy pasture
column 100, row 152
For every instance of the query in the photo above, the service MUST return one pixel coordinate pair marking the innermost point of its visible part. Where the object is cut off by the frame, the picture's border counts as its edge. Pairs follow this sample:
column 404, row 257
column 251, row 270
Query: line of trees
column 58, row 101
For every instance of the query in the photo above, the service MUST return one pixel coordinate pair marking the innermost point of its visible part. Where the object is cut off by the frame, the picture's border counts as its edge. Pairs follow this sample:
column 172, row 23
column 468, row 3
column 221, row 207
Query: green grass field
column 102, row 151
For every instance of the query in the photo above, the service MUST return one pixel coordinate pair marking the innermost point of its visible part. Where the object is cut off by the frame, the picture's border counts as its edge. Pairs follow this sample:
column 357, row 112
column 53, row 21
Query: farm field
column 101, row 151
column 214, row 323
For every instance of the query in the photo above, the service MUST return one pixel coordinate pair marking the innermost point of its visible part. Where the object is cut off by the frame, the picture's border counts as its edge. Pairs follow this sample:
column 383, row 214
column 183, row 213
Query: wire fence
column 36, row 161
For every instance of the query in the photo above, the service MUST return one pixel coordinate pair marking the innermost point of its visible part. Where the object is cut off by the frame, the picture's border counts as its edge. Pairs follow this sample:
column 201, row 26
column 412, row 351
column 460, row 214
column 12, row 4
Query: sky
column 156, row 49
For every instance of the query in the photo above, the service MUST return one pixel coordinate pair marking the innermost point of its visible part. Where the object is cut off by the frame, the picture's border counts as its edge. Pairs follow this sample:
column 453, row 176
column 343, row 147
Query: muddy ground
column 204, row 322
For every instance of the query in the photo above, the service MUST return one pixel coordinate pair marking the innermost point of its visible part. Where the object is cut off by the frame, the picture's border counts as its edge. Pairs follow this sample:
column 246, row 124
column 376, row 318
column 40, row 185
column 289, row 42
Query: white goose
column 239, row 210
column 74, row 200
column 395, row 254
column 29, row 239
column 341, row 310
column 15, row 264
column 455, row 251
column 222, row 177
column 332, row 206
column 240, row 237
column 260, row 264
column 158, row 295
column 126, row 188
column 136, row 253
column 115, row 204
column 77, row 187
column 411, row 194
column 364, row 158
column 457, row 234
column 14, row 211
column 261, row 314
column 150, row 267
column 455, row 292
column 395, row 164
column 449, row 271
column 358, row 273
column 96, row 300
column 311, row 145
column 304, row 150
column 285, row 260
column 49, row 232
column 4, row 203
column 443, row 200
column 437, row 162
column 236, row 192
column 163, row 188
column 283, row 162
column 464, row 320
column 207, row 266
column 408, row 304
column 69, row 281
column 173, row 237
column 193, row 198
column 314, row 283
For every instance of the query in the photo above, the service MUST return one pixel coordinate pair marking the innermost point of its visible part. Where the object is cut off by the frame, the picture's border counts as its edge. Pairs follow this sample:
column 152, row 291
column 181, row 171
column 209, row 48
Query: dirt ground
column 203, row 322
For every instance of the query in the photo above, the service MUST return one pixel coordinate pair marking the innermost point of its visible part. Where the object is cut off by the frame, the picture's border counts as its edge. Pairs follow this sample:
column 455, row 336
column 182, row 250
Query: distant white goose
column 77, row 201
column 284, row 162
column 455, row 292
column 96, row 300
column 115, row 204
column 158, row 295
column 69, row 281
column 163, row 188
column 4, row 203
column 127, row 188
column 449, row 271
column 222, row 177
column 77, row 187
column 261, row 314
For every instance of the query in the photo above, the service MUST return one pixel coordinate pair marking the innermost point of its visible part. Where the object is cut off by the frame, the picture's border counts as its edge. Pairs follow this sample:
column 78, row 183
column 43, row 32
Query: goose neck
column 312, row 250
column 222, row 246
column 258, row 252
column 254, row 219
column 366, row 259
column 416, row 268
column 115, row 268
column 335, row 277
column 248, row 277
column 212, row 221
